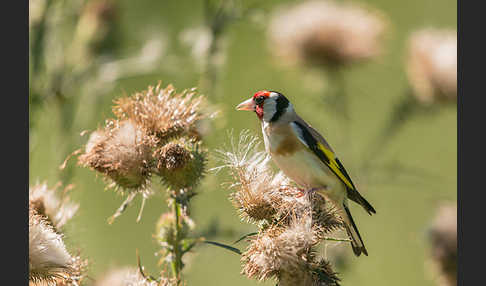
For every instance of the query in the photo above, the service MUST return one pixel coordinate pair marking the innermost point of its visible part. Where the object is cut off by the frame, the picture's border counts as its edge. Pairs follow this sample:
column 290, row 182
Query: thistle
column 49, row 261
column 442, row 235
column 56, row 208
column 326, row 32
column 289, row 227
column 432, row 73
column 122, row 153
column 155, row 133
column 432, row 65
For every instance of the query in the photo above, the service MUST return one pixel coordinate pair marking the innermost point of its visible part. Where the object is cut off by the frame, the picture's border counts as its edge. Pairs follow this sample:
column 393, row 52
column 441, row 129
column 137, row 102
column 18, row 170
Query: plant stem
column 177, row 255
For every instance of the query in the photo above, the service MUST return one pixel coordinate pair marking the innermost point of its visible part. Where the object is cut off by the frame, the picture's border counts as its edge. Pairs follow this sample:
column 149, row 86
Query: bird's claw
column 300, row 194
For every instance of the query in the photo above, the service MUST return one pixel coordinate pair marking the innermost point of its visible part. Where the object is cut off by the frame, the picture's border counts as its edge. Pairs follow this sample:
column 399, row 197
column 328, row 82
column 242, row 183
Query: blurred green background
column 405, row 198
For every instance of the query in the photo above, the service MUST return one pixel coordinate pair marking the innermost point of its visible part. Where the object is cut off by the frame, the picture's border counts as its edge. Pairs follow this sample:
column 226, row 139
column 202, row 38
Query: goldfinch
column 306, row 158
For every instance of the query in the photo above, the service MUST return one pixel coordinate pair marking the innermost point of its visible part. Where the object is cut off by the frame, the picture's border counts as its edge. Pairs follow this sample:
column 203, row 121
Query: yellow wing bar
column 335, row 167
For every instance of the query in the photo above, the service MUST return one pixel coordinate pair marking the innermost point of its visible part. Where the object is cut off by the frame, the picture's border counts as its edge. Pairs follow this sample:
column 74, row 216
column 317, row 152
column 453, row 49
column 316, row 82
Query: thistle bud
column 180, row 164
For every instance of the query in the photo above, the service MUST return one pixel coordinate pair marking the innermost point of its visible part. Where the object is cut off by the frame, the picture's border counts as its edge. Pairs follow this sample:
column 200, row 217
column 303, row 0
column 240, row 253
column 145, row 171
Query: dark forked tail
column 357, row 198
column 352, row 230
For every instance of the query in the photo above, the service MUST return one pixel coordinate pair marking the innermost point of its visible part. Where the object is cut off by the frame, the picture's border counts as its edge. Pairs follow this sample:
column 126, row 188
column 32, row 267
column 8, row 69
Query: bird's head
column 268, row 105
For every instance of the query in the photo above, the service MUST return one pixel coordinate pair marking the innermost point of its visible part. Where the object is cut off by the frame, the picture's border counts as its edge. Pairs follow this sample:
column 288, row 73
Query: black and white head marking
column 275, row 107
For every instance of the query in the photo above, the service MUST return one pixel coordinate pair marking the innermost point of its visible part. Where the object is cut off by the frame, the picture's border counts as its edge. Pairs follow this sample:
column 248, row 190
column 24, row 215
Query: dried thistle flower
column 163, row 112
column 121, row 152
column 253, row 178
column 443, row 240
column 432, row 65
column 284, row 246
column 48, row 257
column 130, row 276
column 263, row 195
column 181, row 164
column 326, row 32
column 286, row 253
column 130, row 148
column 57, row 210
column 324, row 215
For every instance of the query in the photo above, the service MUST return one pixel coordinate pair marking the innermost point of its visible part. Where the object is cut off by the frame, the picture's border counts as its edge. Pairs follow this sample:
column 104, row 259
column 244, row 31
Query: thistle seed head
column 122, row 153
column 443, row 240
column 432, row 65
column 293, row 226
column 49, row 260
column 163, row 112
column 55, row 207
column 326, row 32
column 284, row 253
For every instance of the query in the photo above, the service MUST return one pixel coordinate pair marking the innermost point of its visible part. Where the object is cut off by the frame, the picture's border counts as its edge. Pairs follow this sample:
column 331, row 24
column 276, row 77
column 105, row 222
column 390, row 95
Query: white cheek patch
column 269, row 109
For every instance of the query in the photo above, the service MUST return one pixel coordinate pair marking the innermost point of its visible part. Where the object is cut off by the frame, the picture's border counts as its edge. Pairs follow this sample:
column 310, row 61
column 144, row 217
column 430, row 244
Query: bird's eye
column 259, row 100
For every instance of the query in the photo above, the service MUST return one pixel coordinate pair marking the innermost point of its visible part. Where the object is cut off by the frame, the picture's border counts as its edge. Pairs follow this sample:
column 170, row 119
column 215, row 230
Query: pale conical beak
column 246, row 105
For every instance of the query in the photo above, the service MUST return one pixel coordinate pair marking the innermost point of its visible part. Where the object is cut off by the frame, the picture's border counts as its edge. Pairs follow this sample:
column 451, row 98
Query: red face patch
column 265, row 93
column 259, row 98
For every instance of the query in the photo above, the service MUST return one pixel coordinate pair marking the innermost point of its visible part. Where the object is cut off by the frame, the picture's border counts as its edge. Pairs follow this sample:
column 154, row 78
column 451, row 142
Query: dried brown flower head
column 293, row 226
column 443, row 240
column 253, row 178
column 156, row 131
column 286, row 254
column 163, row 112
column 121, row 152
column 49, row 261
column 432, row 65
column 326, row 32
column 261, row 194
column 181, row 164
column 57, row 209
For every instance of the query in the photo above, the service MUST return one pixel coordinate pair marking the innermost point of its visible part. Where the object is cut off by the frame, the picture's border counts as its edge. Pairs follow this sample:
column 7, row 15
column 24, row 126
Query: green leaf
column 230, row 248
column 245, row 236
column 189, row 243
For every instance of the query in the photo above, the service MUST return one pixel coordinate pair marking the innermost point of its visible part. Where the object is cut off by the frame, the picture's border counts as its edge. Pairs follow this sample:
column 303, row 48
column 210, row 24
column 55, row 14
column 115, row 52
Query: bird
column 305, row 157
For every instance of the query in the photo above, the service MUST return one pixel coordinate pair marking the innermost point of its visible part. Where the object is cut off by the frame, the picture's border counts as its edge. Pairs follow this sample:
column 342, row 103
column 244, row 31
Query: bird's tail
column 352, row 230
column 357, row 198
